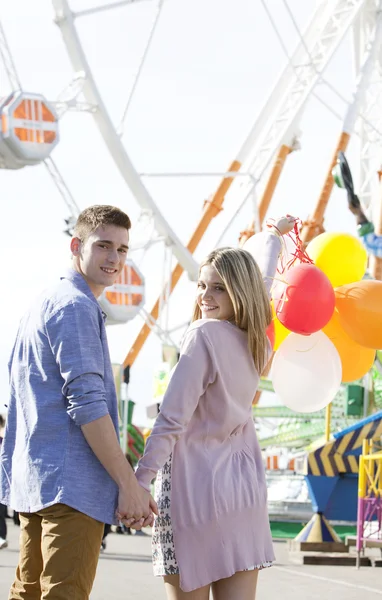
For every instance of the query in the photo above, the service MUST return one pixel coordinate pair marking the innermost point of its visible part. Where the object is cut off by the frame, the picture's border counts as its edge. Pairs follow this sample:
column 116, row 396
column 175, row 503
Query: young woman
column 213, row 528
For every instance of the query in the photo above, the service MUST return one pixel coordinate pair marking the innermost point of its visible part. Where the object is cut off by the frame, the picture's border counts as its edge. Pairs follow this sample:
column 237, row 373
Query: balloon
column 306, row 372
column 341, row 256
column 281, row 332
column 271, row 333
column 360, row 311
column 256, row 244
column 356, row 360
column 307, row 302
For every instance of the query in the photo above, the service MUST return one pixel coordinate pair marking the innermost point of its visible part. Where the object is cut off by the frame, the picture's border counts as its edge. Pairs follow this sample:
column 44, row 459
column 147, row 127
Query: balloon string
column 299, row 252
column 283, row 296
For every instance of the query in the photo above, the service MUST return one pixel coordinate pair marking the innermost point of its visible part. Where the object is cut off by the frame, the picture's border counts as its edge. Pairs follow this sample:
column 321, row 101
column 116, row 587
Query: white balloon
column 256, row 244
column 306, row 372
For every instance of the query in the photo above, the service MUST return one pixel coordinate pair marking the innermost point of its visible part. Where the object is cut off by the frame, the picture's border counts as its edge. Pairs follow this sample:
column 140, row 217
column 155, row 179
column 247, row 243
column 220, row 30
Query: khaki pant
column 59, row 549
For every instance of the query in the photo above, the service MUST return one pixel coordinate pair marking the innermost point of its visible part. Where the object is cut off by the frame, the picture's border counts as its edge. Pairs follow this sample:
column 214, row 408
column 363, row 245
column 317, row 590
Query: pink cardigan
column 218, row 490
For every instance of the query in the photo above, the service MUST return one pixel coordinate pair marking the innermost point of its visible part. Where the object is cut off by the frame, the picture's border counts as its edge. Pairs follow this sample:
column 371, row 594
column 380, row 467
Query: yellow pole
column 361, row 478
column 328, row 417
column 314, row 225
column 211, row 209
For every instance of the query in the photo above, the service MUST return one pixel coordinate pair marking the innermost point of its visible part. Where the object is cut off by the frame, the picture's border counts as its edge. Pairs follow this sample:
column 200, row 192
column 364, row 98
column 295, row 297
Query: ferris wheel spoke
column 8, row 62
column 104, row 7
column 154, row 26
column 68, row 98
column 65, row 193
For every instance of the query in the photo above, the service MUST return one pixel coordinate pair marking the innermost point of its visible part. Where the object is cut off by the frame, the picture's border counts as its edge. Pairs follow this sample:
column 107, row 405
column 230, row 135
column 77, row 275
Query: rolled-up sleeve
column 74, row 336
column 268, row 258
column 194, row 372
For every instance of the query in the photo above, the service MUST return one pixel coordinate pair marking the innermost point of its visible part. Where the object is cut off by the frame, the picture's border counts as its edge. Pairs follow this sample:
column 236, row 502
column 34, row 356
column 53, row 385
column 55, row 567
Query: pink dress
column 218, row 500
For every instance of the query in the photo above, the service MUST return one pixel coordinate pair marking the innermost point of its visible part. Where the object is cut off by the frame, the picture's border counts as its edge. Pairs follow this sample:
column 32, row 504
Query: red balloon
column 306, row 303
column 271, row 333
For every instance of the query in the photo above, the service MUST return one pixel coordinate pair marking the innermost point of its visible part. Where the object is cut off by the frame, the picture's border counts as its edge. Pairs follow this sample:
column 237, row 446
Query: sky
column 211, row 67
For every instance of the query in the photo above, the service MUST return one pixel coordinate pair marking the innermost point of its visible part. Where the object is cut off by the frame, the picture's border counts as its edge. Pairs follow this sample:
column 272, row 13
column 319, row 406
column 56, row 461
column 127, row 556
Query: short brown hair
column 99, row 215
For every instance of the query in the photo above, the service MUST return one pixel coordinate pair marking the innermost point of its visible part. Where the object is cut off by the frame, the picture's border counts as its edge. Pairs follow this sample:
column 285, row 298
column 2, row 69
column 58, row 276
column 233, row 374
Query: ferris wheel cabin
column 123, row 300
column 28, row 130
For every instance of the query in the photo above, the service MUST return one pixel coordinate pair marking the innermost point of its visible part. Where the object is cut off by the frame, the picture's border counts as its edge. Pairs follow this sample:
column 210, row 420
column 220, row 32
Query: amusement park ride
column 29, row 132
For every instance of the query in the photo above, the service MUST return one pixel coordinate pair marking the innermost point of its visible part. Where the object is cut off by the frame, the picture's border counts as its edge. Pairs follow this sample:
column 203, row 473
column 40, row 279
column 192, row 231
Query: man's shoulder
column 64, row 297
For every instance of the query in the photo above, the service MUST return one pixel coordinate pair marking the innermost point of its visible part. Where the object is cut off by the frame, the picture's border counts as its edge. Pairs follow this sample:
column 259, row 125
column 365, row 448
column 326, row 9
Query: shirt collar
column 79, row 282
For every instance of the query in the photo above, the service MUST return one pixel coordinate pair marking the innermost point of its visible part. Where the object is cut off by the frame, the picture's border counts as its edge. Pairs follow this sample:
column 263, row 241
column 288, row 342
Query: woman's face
column 212, row 296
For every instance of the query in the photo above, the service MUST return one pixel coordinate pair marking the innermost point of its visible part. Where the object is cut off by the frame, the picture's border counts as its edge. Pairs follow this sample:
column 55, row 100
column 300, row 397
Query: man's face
column 101, row 258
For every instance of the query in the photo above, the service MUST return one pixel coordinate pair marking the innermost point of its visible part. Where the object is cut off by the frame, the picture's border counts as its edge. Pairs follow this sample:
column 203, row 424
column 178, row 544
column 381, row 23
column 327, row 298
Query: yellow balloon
column 341, row 256
column 356, row 360
column 281, row 332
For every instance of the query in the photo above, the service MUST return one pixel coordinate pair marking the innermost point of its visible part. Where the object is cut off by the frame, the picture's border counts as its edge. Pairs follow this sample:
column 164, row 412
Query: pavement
column 125, row 573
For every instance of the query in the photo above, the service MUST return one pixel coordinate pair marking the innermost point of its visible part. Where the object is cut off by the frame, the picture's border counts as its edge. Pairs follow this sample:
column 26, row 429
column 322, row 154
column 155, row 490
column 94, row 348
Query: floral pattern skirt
column 163, row 550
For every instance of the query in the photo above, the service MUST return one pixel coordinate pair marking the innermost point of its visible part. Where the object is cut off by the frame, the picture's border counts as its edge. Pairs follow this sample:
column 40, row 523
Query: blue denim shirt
column 60, row 378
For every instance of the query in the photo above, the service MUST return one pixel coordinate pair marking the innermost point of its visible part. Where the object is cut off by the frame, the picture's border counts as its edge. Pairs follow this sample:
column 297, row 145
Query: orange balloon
column 356, row 360
column 281, row 332
column 360, row 311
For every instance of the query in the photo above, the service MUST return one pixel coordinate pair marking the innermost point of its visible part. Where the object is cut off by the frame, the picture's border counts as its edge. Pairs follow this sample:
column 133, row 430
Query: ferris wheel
column 31, row 130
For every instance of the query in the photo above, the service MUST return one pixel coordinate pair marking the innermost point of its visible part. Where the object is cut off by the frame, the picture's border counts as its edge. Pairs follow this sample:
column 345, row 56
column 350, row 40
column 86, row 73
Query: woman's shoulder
column 213, row 329
column 209, row 324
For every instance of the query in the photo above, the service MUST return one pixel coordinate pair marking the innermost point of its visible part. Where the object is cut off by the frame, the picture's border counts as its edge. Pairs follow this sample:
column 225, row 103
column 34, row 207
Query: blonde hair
column 244, row 283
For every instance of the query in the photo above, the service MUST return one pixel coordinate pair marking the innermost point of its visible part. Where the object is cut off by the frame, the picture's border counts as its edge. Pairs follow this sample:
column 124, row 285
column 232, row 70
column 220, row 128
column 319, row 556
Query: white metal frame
column 8, row 63
column 368, row 35
column 64, row 18
column 65, row 193
column 278, row 121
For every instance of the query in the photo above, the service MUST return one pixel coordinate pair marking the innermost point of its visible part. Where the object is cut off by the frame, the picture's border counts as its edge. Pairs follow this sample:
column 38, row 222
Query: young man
column 62, row 467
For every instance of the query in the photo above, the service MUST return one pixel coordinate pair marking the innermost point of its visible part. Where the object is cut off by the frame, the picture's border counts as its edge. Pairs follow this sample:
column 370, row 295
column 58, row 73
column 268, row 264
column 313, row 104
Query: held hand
column 282, row 225
column 135, row 505
column 149, row 522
